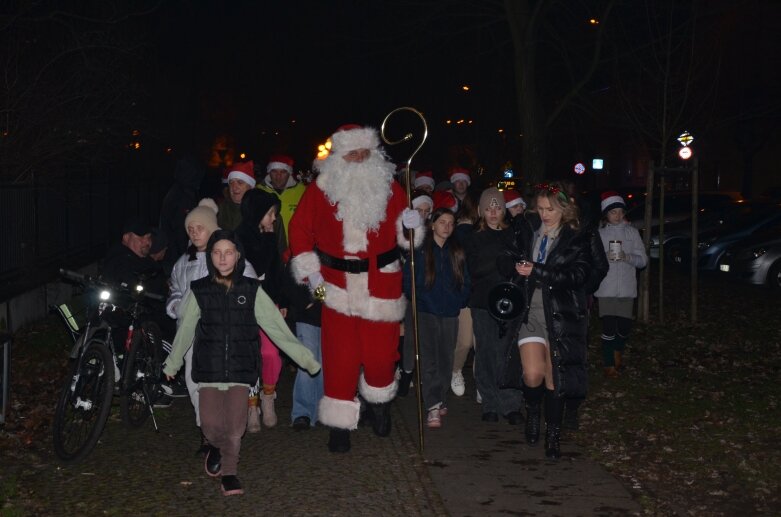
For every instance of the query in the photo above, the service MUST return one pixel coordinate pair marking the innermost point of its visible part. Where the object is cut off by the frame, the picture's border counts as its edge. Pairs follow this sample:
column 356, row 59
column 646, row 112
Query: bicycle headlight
column 105, row 295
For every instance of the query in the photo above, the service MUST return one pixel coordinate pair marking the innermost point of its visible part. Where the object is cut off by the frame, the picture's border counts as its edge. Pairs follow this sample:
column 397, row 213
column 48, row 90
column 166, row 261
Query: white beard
column 360, row 190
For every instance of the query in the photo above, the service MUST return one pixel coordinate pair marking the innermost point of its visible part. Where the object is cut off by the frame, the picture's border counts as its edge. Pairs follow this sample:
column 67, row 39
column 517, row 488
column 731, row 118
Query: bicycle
column 101, row 369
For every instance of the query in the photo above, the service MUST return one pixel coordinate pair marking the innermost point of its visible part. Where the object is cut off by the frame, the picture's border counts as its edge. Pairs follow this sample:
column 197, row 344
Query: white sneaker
column 433, row 421
column 478, row 397
column 457, row 383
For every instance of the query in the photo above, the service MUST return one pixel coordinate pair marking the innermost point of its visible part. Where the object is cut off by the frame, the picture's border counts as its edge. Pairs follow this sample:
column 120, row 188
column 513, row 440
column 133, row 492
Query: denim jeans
column 308, row 390
column 490, row 350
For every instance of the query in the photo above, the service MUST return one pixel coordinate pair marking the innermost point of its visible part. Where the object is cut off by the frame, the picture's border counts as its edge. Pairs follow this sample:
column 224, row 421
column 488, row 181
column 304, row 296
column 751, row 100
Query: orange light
column 448, row 121
column 630, row 196
column 169, row 150
column 466, row 88
column 501, row 130
column 136, row 132
column 594, row 21
column 242, row 156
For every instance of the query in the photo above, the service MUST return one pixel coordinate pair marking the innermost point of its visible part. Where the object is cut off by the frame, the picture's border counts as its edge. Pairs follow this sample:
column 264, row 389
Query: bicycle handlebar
column 88, row 280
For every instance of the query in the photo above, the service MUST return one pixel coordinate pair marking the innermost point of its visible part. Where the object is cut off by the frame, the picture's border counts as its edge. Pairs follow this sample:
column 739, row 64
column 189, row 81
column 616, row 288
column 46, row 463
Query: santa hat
column 513, row 198
column 205, row 213
column 243, row 171
column 225, row 172
column 444, row 199
column 424, row 178
column 351, row 137
column 280, row 161
column 610, row 200
column 419, row 197
column 459, row 173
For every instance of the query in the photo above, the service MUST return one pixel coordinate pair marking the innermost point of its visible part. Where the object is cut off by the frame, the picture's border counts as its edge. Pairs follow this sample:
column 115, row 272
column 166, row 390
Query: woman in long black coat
column 556, row 262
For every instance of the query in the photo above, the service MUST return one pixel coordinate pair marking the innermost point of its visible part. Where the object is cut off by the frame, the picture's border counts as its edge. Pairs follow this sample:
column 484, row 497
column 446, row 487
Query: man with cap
column 241, row 178
column 280, row 182
column 343, row 238
column 129, row 259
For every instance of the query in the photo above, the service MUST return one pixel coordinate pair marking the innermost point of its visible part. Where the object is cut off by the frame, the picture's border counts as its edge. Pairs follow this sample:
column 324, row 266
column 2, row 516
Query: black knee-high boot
column 533, row 400
column 554, row 410
column 382, row 419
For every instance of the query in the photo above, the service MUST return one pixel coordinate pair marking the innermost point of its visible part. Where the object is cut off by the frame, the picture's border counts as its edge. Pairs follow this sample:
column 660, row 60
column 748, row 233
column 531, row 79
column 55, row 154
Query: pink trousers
column 272, row 362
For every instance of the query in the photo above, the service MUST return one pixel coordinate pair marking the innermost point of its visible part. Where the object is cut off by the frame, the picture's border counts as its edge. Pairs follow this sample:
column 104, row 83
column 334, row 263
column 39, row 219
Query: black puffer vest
column 226, row 339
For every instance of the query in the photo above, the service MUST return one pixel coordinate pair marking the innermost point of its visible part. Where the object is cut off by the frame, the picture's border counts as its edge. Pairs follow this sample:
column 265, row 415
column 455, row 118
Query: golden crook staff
column 411, row 239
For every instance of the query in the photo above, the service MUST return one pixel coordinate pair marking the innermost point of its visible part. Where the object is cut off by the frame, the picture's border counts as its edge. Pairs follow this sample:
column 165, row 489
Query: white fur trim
column 460, row 176
column 516, row 201
column 401, row 235
column 424, row 180
column 374, row 395
column 340, row 414
column 304, row 264
column 345, row 141
column 242, row 176
column 356, row 301
column 279, row 165
column 355, row 239
column 420, row 200
column 612, row 200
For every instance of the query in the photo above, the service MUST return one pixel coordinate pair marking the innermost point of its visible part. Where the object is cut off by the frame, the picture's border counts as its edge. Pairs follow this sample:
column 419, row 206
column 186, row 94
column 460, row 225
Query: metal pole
column 644, row 304
column 695, row 239
column 411, row 239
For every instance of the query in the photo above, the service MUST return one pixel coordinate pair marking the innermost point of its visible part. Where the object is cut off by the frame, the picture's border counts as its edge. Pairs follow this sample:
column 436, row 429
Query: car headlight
column 758, row 252
column 105, row 295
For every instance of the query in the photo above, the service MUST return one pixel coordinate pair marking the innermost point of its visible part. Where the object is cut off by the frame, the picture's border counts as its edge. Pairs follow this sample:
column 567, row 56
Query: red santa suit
column 362, row 274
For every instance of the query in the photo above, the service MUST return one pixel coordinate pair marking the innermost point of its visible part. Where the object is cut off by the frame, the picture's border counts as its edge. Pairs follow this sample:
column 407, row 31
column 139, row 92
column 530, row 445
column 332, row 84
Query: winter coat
column 288, row 198
column 563, row 279
column 482, row 249
column 186, row 270
column 178, row 201
column 621, row 279
column 261, row 247
column 443, row 298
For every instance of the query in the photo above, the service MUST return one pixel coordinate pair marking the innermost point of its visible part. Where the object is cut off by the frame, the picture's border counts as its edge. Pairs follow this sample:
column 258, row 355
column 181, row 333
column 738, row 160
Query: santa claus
column 344, row 238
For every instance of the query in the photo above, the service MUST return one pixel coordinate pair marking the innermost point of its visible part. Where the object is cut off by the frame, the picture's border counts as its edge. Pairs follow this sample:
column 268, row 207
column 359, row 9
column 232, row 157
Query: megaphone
column 506, row 301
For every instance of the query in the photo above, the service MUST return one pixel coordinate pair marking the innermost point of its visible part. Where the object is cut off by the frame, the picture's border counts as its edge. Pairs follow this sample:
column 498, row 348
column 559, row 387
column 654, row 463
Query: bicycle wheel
column 141, row 376
column 84, row 404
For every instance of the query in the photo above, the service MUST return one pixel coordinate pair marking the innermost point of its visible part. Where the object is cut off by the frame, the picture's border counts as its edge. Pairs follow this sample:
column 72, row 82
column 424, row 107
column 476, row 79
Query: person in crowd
column 442, row 286
column 425, row 181
column 256, row 232
column 466, row 218
column 488, row 241
column 241, row 179
column 305, row 311
column 158, row 251
column 178, row 201
column 200, row 223
column 129, row 260
column 555, row 260
column 617, row 292
column 461, row 181
column 280, row 182
column 422, row 202
column 226, row 303
column 343, row 239
column 514, row 203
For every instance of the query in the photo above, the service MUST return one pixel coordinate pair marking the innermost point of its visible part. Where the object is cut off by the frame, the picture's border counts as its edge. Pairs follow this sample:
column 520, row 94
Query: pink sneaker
column 443, row 411
column 433, row 421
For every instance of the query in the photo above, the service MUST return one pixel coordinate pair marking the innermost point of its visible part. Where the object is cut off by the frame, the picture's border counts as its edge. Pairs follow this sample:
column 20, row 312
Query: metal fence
column 46, row 225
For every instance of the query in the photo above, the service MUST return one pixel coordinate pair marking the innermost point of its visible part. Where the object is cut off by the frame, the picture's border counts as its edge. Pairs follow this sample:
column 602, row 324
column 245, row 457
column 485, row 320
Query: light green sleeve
column 273, row 324
column 190, row 315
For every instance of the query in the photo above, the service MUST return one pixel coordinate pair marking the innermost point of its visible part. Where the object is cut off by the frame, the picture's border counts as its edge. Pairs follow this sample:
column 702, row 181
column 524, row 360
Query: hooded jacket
column 621, row 279
column 179, row 200
column 261, row 247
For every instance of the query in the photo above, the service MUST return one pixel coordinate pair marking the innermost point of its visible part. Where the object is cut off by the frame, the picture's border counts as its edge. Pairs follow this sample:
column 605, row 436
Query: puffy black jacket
column 570, row 269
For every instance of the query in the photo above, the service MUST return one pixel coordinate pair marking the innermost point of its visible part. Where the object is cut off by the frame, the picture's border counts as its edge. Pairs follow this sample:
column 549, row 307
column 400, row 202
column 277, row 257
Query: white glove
column 410, row 218
column 315, row 280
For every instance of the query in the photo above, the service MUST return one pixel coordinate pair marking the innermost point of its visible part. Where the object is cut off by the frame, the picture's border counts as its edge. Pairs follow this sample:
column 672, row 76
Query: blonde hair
column 558, row 198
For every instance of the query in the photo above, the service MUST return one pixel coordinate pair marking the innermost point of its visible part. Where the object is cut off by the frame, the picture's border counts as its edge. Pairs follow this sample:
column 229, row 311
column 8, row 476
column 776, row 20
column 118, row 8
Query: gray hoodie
column 621, row 279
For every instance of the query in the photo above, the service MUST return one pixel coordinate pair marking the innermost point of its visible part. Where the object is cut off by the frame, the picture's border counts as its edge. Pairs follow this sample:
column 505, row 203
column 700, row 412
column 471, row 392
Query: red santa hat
column 225, row 172
column 610, row 200
column 444, row 199
column 280, row 161
column 460, row 174
column 512, row 198
column 419, row 197
column 424, row 178
column 350, row 137
column 243, row 171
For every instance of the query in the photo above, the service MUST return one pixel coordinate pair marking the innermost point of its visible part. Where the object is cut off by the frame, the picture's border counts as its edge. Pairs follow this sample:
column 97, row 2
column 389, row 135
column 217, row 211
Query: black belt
column 356, row 266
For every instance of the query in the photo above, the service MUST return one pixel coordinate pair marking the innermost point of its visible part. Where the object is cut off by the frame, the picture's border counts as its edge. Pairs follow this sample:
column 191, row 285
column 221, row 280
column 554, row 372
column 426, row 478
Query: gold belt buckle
column 319, row 293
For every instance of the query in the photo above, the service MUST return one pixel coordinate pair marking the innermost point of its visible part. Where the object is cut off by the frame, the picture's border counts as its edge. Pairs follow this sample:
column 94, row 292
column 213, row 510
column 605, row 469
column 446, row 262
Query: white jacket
column 184, row 272
column 621, row 279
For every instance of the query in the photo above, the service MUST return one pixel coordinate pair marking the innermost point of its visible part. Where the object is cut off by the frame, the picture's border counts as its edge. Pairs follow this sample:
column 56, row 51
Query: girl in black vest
column 223, row 312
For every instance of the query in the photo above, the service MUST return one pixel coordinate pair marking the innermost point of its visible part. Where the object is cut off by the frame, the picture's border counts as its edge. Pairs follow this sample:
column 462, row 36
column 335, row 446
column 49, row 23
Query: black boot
column 404, row 381
column 533, row 400
column 339, row 440
column 552, row 435
column 571, row 421
column 382, row 419
column 554, row 411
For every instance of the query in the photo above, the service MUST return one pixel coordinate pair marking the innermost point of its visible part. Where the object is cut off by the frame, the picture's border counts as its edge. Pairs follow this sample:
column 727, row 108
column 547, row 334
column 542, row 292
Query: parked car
column 712, row 244
column 726, row 224
column 757, row 259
